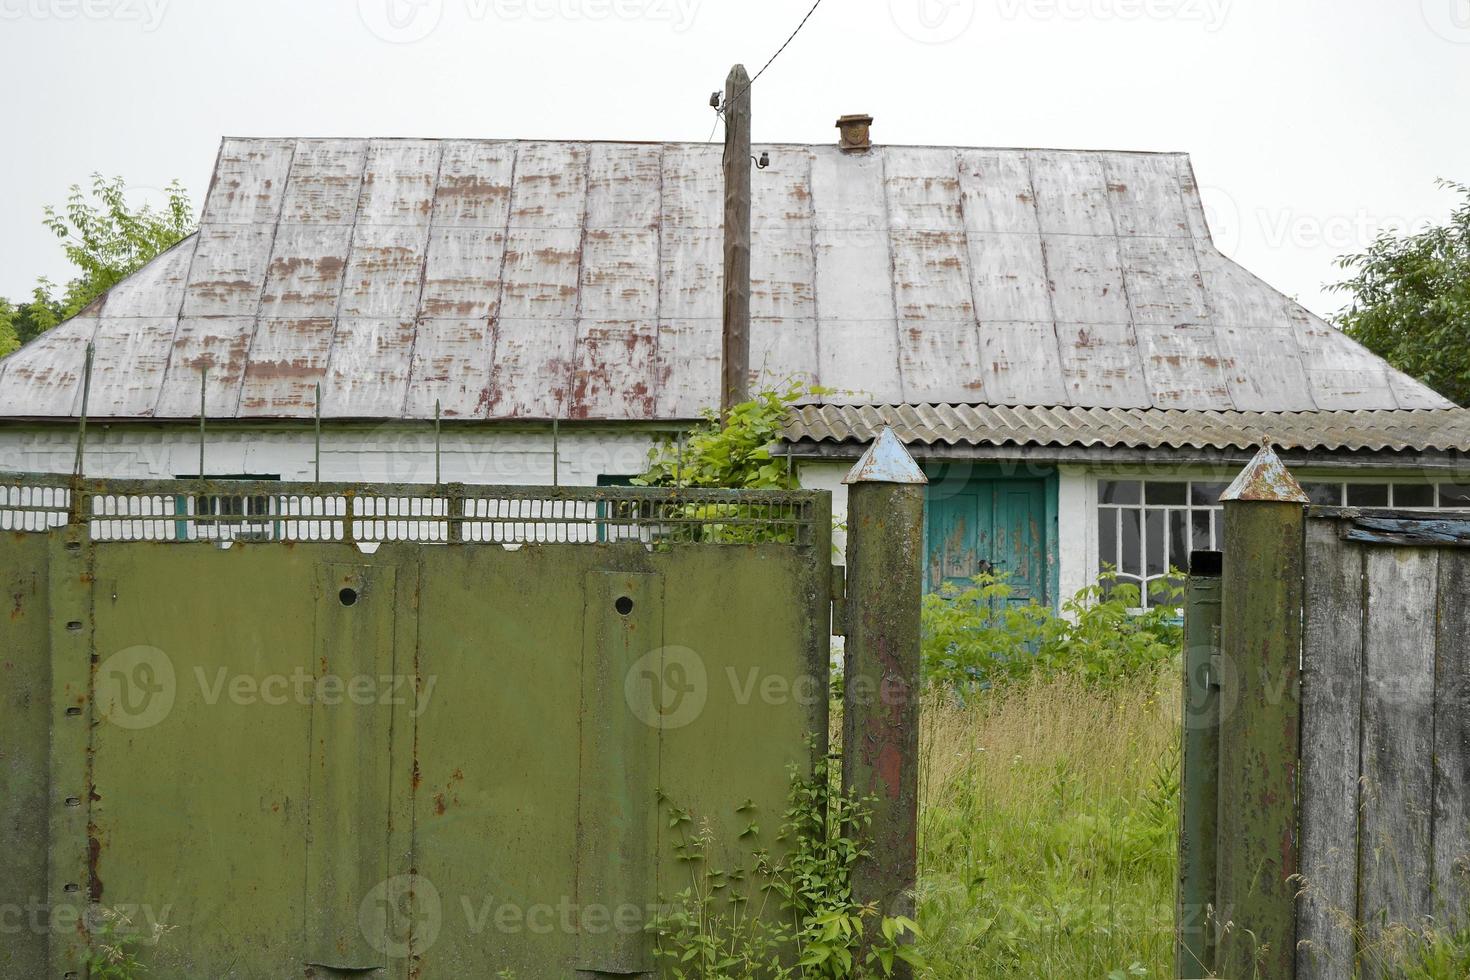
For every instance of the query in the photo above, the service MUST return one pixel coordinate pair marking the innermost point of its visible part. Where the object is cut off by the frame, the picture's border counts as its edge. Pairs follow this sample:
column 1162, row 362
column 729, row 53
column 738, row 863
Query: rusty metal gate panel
column 419, row 731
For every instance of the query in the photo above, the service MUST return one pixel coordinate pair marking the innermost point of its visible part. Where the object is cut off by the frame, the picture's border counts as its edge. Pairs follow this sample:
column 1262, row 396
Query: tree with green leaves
column 1410, row 301
column 107, row 240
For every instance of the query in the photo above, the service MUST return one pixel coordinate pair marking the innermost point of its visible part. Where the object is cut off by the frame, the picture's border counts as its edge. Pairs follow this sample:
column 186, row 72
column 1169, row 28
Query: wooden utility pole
column 735, row 340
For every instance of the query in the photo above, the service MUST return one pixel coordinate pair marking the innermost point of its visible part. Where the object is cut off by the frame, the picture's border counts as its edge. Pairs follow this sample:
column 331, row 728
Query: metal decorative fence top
column 266, row 510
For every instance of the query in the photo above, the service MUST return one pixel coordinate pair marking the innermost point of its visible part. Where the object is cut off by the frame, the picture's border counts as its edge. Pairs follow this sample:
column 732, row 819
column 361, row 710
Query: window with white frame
column 1145, row 528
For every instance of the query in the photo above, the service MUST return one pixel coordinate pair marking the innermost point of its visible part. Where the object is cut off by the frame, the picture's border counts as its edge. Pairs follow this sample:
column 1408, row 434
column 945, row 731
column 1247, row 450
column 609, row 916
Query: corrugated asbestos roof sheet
column 510, row 279
column 1134, row 428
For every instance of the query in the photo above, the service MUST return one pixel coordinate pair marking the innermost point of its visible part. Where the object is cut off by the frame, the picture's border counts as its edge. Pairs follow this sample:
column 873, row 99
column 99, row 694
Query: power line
column 781, row 48
column 768, row 64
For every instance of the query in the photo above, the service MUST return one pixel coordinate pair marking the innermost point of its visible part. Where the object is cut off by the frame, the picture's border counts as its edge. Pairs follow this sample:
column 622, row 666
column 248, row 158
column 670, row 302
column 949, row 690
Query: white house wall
column 391, row 452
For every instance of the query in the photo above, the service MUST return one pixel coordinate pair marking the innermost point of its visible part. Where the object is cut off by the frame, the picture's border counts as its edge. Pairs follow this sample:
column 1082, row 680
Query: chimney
column 854, row 136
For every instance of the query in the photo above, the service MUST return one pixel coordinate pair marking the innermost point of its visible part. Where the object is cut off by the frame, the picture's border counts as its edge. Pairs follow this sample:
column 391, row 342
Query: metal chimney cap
column 855, row 131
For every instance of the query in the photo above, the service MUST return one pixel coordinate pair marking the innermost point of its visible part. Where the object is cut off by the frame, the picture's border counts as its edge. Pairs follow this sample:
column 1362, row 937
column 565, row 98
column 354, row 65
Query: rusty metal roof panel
column 777, row 343
column 157, row 289
column 531, row 373
column 1181, row 364
column 216, row 345
column 450, row 365
column 304, row 278
column 385, row 271
column 398, row 183
column 687, row 365
column 325, row 182
column 613, row 376
column 249, row 182
column 142, row 341
column 537, row 278
column 48, row 374
column 287, row 360
column 368, row 368
column 1445, row 429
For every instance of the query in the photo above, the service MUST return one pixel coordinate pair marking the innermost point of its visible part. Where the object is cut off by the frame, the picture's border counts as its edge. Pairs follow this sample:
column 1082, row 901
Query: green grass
column 1048, row 830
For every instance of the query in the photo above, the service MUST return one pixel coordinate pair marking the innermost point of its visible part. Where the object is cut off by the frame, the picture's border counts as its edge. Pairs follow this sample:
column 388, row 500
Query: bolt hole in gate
column 348, row 597
column 624, row 605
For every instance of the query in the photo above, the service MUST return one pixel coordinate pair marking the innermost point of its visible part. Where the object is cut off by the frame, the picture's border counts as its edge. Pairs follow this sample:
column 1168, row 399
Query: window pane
column 1154, row 536
column 1206, row 494
column 1203, row 540
column 1179, row 538
column 1367, row 495
column 1454, row 494
column 1165, row 493
column 1413, row 495
column 1107, row 539
column 1324, row 494
column 1118, row 492
column 1132, row 544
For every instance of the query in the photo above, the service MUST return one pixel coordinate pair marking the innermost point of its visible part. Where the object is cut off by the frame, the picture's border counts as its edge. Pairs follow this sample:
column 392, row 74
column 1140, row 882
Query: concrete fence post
column 880, row 726
column 1260, row 721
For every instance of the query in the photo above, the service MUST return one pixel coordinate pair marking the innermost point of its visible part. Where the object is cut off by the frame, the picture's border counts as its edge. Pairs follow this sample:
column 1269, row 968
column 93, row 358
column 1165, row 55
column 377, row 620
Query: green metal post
column 1194, row 932
column 1260, row 722
column 880, row 725
column 203, row 389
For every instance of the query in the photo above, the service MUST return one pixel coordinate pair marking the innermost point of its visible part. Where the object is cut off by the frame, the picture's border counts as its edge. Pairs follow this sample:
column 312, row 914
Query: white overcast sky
column 1311, row 123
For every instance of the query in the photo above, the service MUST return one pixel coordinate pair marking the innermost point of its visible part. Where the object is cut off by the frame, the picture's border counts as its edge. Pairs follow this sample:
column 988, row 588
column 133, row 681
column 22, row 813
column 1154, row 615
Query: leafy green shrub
column 785, row 917
column 734, row 453
column 978, row 638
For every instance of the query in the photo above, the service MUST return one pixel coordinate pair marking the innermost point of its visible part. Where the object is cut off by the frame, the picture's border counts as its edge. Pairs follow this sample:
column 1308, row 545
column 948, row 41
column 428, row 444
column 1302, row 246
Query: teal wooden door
column 990, row 525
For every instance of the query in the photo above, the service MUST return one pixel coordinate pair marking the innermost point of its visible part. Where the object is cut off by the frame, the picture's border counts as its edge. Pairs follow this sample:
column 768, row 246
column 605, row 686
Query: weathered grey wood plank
column 1398, row 747
column 1332, row 672
column 1452, row 741
column 1453, row 532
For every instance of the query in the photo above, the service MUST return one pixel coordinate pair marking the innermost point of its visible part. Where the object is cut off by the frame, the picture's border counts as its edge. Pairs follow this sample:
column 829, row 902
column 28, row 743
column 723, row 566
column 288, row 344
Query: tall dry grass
column 1048, row 830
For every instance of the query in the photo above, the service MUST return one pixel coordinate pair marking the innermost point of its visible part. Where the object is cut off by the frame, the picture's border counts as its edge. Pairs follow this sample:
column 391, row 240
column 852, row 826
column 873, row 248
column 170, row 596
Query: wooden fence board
column 1452, row 741
column 1332, row 670
column 1398, row 747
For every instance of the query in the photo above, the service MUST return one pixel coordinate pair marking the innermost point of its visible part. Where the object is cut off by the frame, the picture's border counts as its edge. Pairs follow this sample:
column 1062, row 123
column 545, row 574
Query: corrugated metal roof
column 509, row 279
column 1134, row 428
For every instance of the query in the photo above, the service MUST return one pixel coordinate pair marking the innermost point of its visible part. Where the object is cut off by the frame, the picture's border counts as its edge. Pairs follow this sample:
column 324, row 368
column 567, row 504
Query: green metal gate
column 406, row 731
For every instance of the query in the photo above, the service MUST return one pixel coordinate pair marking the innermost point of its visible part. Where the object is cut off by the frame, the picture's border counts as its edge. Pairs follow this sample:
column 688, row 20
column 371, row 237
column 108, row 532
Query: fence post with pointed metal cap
column 880, row 727
column 1260, row 721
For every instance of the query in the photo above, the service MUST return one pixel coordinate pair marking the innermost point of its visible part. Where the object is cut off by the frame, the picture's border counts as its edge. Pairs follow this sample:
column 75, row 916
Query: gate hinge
column 839, row 600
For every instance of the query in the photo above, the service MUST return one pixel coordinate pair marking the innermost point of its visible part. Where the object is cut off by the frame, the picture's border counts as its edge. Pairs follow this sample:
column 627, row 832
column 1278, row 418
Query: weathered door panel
column 989, row 525
column 764, row 706
column 500, row 660
column 25, row 726
column 350, row 760
column 205, row 698
column 960, row 526
column 1019, row 539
